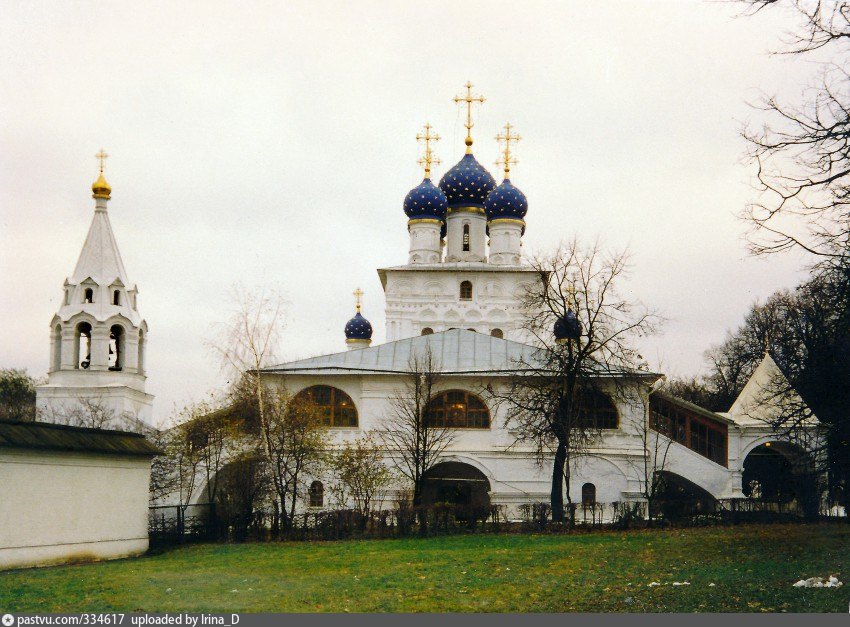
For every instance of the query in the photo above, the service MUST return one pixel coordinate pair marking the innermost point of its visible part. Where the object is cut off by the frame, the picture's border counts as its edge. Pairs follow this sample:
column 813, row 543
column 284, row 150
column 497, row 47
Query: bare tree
column 215, row 437
column 802, row 152
column 413, row 441
column 360, row 473
column 163, row 478
column 184, row 450
column 656, row 444
column 248, row 342
column 584, row 331
column 295, row 436
column 92, row 413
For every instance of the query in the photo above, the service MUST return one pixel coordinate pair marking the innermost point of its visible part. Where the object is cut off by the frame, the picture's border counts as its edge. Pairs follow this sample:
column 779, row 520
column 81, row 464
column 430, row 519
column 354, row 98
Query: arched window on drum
column 458, row 409
column 335, row 406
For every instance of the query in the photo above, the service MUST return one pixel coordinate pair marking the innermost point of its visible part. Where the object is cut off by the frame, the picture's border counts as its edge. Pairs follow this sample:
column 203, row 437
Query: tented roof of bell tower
column 100, row 258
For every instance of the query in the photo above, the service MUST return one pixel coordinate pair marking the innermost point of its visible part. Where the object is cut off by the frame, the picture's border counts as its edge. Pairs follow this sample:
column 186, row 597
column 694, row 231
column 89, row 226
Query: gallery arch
column 456, row 483
column 780, row 473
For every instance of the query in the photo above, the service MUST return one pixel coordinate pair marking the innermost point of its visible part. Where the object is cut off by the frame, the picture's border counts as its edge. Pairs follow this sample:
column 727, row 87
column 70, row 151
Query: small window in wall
column 88, row 295
column 466, row 290
column 67, row 297
column 465, row 238
column 497, row 333
column 588, row 495
column 473, row 330
column 317, row 494
column 427, row 331
column 116, row 297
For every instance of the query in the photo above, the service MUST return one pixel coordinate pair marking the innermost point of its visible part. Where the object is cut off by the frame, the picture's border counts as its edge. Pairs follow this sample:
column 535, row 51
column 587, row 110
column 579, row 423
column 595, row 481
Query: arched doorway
column 780, row 475
column 678, row 497
column 455, row 483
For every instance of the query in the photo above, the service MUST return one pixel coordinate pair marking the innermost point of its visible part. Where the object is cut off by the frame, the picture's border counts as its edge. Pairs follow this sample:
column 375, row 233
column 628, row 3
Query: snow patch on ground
column 819, row 582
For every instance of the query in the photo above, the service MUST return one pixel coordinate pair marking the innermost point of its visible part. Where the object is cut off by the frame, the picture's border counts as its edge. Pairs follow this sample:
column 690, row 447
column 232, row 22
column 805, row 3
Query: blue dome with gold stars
column 467, row 183
column 426, row 200
column 506, row 201
column 358, row 328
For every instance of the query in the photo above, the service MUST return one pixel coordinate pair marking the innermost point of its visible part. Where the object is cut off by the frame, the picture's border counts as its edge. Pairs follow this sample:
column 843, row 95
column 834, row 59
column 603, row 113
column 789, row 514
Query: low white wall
column 58, row 507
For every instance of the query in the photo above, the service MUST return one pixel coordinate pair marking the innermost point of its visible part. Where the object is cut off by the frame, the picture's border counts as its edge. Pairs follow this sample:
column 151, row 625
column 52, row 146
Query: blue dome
column 358, row 328
column 506, row 201
column 467, row 183
column 426, row 200
column 567, row 327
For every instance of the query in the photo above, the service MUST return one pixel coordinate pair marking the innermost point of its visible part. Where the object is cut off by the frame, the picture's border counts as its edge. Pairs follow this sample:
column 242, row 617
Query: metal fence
column 174, row 524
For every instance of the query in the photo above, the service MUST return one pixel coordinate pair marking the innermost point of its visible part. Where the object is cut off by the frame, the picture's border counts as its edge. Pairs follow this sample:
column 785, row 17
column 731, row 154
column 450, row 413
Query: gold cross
column 428, row 159
column 507, row 160
column 100, row 157
column 468, row 99
column 358, row 294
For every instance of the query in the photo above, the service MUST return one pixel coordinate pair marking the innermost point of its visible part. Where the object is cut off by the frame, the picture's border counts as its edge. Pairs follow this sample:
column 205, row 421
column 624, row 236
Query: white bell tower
column 97, row 338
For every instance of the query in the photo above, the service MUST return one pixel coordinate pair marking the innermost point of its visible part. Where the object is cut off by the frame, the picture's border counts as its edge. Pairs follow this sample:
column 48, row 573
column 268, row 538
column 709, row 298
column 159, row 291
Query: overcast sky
column 273, row 143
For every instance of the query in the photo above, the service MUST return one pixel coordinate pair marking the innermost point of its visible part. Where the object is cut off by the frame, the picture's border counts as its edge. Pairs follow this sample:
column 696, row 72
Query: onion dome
column 426, row 200
column 467, row 183
column 358, row 328
column 506, row 201
column 567, row 327
column 100, row 188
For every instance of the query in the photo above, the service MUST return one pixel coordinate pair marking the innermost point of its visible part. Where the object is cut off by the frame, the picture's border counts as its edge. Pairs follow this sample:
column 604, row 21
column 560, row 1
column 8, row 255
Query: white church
column 459, row 295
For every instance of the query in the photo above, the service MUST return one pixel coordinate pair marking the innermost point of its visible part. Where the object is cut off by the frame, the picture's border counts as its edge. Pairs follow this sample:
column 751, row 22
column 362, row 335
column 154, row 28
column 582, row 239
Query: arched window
column 88, row 295
column 116, row 347
column 427, row 331
column 317, row 494
column 336, row 406
column 497, row 333
column 458, row 409
column 465, row 290
column 82, row 358
column 588, row 495
column 473, row 330
column 597, row 411
column 466, row 238
column 116, row 297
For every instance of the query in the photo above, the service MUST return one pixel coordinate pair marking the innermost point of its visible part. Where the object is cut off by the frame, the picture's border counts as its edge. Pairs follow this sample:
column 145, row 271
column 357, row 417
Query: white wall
column 58, row 507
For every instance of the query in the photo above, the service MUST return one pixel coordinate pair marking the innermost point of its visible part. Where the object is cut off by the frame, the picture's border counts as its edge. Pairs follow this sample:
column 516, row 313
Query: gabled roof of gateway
column 457, row 351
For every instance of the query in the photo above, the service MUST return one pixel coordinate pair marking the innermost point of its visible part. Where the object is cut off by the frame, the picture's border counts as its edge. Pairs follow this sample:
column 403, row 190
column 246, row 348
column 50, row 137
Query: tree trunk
column 557, row 496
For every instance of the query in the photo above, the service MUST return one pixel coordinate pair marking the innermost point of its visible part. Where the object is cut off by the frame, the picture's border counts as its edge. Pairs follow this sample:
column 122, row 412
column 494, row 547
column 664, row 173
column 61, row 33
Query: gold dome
column 101, row 188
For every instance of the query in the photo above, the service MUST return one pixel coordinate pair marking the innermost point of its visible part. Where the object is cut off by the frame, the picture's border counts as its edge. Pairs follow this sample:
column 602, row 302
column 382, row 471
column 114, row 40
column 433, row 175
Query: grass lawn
column 753, row 569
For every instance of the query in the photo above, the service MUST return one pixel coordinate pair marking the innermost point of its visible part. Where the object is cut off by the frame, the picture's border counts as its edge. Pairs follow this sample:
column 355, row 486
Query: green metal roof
column 47, row 436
